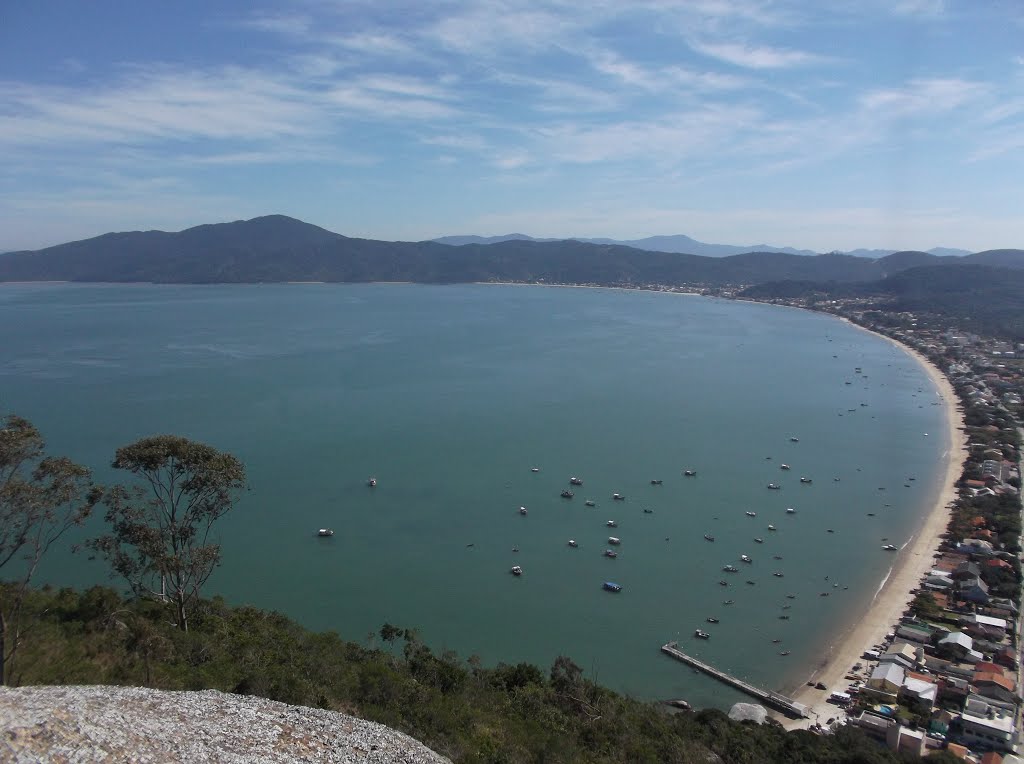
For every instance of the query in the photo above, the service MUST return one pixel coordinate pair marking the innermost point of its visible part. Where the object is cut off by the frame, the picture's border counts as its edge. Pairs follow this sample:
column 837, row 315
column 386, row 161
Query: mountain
column 276, row 248
column 685, row 245
column 1007, row 258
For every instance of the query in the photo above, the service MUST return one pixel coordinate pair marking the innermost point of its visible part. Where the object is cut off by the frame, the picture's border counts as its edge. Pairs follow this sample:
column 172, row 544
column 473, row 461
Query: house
column 904, row 654
column 975, row 546
column 966, row 570
column 887, row 678
column 914, row 634
column 976, row 592
column 991, row 732
column 956, row 643
column 919, row 692
column 996, row 686
column 905, row 740
column 938, row 579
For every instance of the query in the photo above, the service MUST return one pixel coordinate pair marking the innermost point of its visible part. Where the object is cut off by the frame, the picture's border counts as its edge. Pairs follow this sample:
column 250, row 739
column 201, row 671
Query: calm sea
column 449, row 395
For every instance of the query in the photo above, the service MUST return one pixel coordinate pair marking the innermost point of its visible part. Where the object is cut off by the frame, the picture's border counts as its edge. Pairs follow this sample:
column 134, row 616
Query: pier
column 775, row 700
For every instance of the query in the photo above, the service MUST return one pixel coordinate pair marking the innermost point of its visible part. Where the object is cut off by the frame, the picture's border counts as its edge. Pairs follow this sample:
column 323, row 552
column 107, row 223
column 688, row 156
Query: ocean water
column 449, row 395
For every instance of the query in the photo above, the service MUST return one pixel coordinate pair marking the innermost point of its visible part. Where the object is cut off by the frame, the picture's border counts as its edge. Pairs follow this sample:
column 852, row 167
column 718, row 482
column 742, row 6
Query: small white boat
column 372, row 482
column 612, row 524
column 790, row 511
column 730, row 569
column 572, row 542
column 522, row 510
column 774, row 486
column 588, row 503
column 611, row 553
column 575, row 481
column 701, row 634
column 618, row 497
column 325, row 532
column 794, row 440
column 784, row 467
column 689, row 473
column 534, row 469
column 516, row 570
column 772, row 528
column 614, row 540
column 805, row 480
column 759, row 540
column 745, row 558
column 890, row 547
column 751, row 514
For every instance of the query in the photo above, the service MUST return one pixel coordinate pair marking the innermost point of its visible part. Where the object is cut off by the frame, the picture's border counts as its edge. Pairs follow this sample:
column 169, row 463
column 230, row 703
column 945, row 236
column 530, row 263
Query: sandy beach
column 912, row 563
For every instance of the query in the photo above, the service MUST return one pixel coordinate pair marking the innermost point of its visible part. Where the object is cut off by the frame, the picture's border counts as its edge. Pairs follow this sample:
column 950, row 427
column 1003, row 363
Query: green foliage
column 509, row 713
column 160, row 537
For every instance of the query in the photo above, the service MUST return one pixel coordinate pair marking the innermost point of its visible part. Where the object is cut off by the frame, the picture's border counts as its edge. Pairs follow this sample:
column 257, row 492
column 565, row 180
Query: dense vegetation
column 277, row 248
column 467, row 712
column 982, row 299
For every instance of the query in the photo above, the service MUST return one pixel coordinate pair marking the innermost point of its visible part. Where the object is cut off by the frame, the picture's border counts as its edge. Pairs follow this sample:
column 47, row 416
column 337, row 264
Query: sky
column 892, row 124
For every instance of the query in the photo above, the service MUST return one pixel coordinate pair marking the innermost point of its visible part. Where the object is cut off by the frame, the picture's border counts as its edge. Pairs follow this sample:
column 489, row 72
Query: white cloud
column 756, row 56
column 920, row 8
column 923, row 96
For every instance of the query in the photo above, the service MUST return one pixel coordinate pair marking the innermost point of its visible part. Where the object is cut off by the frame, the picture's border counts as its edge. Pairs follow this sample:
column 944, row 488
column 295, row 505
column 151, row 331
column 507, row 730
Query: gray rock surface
column 73, row 725
column 748, row 712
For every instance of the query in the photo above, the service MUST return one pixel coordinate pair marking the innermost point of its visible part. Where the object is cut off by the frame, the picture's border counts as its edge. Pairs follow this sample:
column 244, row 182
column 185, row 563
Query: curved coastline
column 912, row 564
column 863, row 629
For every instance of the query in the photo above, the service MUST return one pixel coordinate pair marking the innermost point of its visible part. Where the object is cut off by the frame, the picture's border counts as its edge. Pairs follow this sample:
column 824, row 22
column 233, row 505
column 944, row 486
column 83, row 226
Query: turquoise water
column 448, row 395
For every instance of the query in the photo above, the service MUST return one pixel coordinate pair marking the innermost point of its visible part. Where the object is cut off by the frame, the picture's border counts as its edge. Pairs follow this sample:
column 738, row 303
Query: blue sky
column 850, row 123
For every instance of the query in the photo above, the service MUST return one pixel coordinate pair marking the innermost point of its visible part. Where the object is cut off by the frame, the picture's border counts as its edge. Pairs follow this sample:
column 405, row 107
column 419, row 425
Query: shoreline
column 911, row 565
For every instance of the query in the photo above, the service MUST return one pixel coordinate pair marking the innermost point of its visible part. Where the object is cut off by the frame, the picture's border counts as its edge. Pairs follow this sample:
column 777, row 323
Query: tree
column 160, row 538
column 41, row 497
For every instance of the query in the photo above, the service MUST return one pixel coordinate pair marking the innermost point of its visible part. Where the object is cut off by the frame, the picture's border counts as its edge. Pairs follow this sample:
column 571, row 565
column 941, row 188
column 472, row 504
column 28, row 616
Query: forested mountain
column 278, row 248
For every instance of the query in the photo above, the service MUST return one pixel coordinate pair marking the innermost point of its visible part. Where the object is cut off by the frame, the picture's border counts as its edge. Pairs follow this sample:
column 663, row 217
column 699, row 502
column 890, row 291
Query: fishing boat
column 656, row 482
column 777, row 574
column 784, row 652
column 372, row 482
column 611, row 586
column 890, row 547
column 774, row 486
column 612, row 524
column 690, row 473
column 516, row 570
column 699, row 634
column 783, row 617
column 794, row 440
column 751, row 514
column 611, row 553
column 522, row 510
column 728, row 602
column 723, row 583
column 730, row 568
column 588, row 503
column 575, row 481
column 711, row 619
column 325, row 532
column 772, row 528
column 618, row 497
column 745, row 558
column 806, row 480
column 759, row 540
column 708, row 537
column 648, row 511
column 567, row 494
column 534, row 469
column 784, row 467
column 790, row 511
column 614, row 540
column 572, row 542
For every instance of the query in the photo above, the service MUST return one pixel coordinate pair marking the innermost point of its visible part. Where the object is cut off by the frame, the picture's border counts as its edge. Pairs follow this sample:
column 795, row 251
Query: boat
column 790, row 596
column 567, row 494
column 325, row 532
column 372, row 482
column 515, row 549
column 784, row 652
column 784, row 467
column 612, row 524
column 711, row 619
column 572, row 542
column 783, row 617
column 648, row 511
column 776, row 641
column 611, row 586
column 588, row 503
column 774, row 486
column 890, row 547
column 772, row 528
column 708, row 537
column 794, row 440
column 690, row 473
column 790, row 511
column 534, row 469
column 614, row 540
column 728, row 602
column 824, row 594
column 575, row 481
column 777, row 574
column 618, row 497
column 776, row 556
column 745, row 558
column 656, row 482
column 752, row 583
column 723, row 583
column 522, row 510
column 516, row 570
column 610, row 553
column 806, row 480
column 701, row 634
column 759, row 540
column 751, row 514
column 730, row 568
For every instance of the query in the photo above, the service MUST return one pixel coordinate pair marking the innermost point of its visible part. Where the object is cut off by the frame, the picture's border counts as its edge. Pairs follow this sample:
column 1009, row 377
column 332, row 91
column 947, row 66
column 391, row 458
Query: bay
column 449, row 395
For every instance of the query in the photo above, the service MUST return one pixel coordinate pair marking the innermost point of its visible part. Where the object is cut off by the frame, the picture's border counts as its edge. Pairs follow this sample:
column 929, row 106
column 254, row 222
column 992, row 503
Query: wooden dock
column 775, row 700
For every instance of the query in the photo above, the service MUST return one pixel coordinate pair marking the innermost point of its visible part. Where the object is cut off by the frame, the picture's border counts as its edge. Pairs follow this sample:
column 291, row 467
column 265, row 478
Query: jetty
column 775, row 700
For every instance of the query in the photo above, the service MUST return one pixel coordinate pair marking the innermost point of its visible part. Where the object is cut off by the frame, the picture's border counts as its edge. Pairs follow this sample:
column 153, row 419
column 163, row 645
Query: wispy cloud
column 923, row 96
column 756, row 56
column 920, row 8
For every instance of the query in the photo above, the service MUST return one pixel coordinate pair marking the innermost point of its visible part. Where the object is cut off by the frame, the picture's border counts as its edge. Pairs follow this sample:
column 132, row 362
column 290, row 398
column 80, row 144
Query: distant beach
column 912, row 563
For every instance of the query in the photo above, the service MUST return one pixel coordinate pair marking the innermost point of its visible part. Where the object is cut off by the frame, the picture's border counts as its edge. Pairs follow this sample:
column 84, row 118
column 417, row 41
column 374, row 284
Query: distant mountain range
column 685, row 245
column 276, row 248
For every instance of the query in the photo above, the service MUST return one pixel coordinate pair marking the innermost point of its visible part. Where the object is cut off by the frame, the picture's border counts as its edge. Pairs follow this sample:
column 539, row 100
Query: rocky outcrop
column 116, row 724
